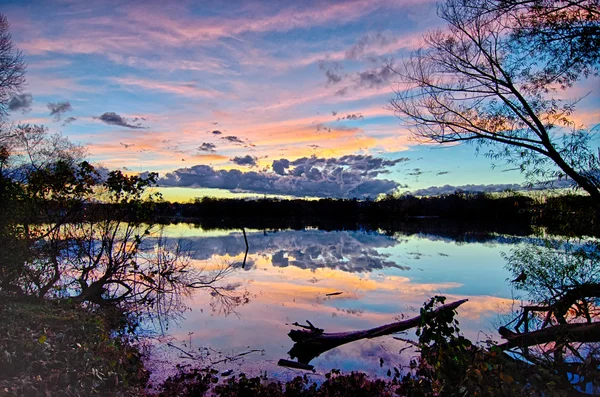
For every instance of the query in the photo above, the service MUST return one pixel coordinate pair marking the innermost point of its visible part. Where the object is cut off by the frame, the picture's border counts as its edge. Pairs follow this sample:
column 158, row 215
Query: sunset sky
column 227, row 96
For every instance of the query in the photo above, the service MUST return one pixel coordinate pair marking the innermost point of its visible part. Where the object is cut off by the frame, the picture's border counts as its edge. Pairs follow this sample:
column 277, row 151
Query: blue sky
column 166, row 88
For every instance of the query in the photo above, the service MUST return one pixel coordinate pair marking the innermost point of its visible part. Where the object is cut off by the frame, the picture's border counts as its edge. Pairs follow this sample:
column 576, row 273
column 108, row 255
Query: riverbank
column 58, row 348
column 50, row 348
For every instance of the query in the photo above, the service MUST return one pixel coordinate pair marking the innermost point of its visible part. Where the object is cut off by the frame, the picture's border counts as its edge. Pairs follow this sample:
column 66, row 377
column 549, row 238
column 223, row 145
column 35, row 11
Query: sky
column 237, row 98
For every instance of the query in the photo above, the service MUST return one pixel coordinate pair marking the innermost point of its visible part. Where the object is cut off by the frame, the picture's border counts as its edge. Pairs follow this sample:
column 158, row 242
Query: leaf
column 42, row 339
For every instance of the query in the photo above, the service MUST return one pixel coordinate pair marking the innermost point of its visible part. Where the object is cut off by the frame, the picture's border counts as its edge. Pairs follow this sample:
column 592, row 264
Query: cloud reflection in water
column 292, row 272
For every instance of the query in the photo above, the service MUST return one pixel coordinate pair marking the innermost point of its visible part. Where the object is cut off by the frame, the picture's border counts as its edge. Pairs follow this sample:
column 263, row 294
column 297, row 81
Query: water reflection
column 557, row 328
column 290, row 276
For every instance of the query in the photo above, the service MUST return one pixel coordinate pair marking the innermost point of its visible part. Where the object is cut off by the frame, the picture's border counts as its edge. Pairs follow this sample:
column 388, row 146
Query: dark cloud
column 448, row 189
column 376, row 77
column 332, row 77
column 69, row 120
column 246, row 160
column 563, row 183
column 332, row 71
column 207, row 147
column 20, row 102
column 342, row 91
column 58, row 109
column 279, row 166
column 233, row 139
column 345, row 177
column 351, row 116
column 217, row 132
column 112, row 118
column 369, row 39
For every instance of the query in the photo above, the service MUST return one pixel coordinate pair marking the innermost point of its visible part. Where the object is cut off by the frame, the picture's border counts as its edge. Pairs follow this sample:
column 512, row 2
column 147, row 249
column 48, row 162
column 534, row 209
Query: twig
column 410, row 342
column 181, row 350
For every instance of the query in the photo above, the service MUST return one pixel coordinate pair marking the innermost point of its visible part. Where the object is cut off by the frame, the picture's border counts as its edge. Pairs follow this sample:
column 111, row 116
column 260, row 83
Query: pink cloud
column 185, row 88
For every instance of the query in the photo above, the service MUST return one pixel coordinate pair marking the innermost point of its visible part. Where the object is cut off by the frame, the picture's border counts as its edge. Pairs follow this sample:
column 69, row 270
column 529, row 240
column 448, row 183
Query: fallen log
column 311, row 341
column 586, row 332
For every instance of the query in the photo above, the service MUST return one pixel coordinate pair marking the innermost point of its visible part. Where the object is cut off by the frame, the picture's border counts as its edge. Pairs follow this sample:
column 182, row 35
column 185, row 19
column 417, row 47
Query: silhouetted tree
column 12, row 67
column 43, row 181
column 561, row 35
column 490, row 79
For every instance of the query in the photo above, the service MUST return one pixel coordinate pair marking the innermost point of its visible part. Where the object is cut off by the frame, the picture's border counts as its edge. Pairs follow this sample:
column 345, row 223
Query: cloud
column 307, row 249
column 564, row 183
column 341, row 91
column 207, row 147
column 351, row 116
column 20, row 102
column 332, row 77
column 279, row 166
column 190, row 88
column 375, row 77
column 217, row 132
column 369, row 39
column 69, row 120
column 345, row 177
column 448, row 189
column 331, row 71
column 236, row 140
column 246, row 160
column 58, row 109
column 112, row 118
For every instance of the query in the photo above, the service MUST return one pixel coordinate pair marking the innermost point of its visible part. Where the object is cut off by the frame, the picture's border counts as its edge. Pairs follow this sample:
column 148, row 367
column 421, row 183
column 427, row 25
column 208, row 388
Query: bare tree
column 561, row 35
column 473, row 83
column 12, row 67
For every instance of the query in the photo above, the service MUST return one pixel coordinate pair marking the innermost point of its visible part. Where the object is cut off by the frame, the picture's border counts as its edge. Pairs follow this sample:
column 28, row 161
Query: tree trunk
column 312, row 341
column 563, row 332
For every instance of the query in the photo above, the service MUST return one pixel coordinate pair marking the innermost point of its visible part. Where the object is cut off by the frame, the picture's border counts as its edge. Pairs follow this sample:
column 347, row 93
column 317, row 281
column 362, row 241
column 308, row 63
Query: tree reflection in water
column 558, row 328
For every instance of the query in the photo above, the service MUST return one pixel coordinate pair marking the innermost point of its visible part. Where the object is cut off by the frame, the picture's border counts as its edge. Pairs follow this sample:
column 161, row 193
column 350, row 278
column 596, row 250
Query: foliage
column 59, row 349
column 473, row 82
column 551, row 269
column 451, row 365
column 199, row 382
column 43, row 180
column 560, row 280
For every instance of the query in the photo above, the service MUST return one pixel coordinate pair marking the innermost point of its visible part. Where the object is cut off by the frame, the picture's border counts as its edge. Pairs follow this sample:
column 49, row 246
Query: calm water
column 288, row 275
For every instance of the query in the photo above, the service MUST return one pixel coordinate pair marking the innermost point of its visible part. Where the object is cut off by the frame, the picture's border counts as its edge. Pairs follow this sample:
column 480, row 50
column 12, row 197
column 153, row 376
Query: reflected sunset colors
column 288, row 275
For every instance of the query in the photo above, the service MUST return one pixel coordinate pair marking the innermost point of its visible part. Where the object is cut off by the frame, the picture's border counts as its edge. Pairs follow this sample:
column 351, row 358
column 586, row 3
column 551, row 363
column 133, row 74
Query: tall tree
column 496, row 77
column 12, row 67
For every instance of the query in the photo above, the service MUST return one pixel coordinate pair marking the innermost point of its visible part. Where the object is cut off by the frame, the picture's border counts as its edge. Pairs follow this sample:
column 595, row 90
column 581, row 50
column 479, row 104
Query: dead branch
column 562, row 332
column 312, row 341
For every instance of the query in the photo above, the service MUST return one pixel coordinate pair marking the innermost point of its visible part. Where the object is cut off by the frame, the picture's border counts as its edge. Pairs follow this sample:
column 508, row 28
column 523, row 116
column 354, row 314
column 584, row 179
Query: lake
column 376, row 278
